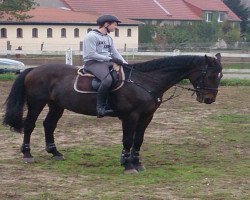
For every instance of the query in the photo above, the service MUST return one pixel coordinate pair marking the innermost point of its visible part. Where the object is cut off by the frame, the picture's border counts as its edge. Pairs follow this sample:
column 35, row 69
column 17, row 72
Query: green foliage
column 199, row 32
column 241, row 11
column 206, row 32
column 170, row 34
column 247, row 34
column 15, row 10
column 146, row 33
column 229, row 34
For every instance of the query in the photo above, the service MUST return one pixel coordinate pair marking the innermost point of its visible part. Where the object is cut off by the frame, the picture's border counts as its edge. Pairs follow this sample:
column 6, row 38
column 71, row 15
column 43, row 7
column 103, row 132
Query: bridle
column 199, row 88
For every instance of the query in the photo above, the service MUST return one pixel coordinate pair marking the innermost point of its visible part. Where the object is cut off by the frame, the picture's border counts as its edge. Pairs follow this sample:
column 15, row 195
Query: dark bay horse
column 134, row 103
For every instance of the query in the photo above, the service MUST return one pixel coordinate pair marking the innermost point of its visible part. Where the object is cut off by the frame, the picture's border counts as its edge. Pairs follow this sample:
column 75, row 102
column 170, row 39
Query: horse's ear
column 218, row 56
column 206, row 58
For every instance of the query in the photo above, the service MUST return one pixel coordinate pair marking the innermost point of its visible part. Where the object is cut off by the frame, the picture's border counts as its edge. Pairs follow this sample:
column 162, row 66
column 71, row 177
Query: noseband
column 201, row 81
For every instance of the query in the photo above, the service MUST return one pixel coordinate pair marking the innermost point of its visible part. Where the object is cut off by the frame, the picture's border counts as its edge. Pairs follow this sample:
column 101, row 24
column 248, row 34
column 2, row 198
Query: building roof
column 210, row 5
column 152, row 9
column 213, row 5
column 136, row 9
column 58, row 15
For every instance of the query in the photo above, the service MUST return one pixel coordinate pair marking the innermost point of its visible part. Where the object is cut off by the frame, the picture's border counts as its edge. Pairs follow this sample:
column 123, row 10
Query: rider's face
column 112, row 26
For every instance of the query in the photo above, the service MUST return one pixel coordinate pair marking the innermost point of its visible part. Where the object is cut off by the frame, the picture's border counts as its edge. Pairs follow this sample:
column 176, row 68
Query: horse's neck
column 158, row 81
column 168, row 79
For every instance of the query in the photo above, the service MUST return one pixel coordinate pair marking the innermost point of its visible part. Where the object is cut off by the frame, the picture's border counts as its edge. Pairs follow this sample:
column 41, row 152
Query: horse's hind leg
column 34, row 109
column 50, row 123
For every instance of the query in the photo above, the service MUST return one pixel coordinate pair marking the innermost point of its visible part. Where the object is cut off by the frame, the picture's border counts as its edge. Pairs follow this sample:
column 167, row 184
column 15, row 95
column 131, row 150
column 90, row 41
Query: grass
column 208, row 162
column 237, row 66
column 7, row 77
column 235, row 82
column 189, row 171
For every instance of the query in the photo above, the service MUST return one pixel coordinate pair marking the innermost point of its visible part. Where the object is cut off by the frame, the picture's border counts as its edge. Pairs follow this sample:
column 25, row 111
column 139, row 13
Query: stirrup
column 103, row 112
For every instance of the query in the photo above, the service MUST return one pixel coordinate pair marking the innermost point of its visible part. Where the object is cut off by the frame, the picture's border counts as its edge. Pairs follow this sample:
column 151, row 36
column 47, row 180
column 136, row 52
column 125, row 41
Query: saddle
column 86, row 82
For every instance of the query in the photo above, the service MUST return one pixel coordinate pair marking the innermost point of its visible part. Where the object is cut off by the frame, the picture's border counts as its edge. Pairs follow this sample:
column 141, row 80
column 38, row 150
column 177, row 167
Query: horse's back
column 44, row 77
column 55, row 68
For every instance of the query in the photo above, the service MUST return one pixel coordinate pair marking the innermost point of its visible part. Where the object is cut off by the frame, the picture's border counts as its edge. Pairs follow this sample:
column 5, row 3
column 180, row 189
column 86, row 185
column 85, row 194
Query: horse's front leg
column 138, row 140
column 128, row 126
column 50, row 123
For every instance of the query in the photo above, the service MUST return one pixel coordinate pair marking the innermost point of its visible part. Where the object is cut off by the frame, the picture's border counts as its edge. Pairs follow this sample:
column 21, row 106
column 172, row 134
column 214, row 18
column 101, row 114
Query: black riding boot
column 102, row 95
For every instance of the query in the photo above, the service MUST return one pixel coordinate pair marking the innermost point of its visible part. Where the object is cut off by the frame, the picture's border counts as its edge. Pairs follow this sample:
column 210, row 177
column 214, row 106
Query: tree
column 15, row 9
column 241, row 11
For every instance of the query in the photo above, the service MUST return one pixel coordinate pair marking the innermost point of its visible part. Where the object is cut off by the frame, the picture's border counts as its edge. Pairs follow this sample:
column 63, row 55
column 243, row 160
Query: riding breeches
column 100, row 70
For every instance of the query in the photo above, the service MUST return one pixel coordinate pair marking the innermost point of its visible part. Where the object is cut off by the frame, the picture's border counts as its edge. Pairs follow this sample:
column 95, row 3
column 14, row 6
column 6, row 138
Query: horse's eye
column 212, row 77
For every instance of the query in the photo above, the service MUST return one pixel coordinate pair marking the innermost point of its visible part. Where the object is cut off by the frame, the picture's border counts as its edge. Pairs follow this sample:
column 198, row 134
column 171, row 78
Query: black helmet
column 107, row 18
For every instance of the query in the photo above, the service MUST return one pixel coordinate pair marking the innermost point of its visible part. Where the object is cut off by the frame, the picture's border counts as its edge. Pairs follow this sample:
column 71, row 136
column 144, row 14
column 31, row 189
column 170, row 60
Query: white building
column 57, row 29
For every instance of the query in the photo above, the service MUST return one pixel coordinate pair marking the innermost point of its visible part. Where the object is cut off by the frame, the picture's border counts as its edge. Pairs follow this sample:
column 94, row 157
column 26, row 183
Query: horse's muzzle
column 209, row 100
column 204, row 99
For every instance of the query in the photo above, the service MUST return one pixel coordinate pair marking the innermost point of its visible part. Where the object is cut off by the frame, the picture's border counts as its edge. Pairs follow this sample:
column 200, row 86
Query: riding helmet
column 107, row 18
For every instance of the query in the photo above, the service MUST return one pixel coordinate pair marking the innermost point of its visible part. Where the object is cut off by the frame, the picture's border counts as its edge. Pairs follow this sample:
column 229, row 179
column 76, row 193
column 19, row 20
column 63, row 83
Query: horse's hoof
column 130, row 171
column 140, row 168
column 58, row 158
column 29, row 160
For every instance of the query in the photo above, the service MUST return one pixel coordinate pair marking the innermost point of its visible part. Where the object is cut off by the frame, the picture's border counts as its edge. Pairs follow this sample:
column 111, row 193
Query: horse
column 134, row 103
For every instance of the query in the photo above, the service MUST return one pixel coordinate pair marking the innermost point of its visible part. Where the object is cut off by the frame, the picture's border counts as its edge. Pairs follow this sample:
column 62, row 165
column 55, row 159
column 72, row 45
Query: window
column 116, row 32
column 3, row 33
column 221, row 17
column 19, row 33
column 89, row 29
column 209, row 16
column 129, row 32
column 49, row 33
column 76, row 32
column 34, row 32
column 63, row 32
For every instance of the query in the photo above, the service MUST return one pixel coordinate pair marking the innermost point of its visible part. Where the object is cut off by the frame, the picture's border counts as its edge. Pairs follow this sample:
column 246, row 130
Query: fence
column 237, row 53
column 195, row 47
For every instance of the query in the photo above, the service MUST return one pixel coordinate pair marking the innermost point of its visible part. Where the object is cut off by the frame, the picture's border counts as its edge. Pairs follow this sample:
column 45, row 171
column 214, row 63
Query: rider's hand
column 117, row 61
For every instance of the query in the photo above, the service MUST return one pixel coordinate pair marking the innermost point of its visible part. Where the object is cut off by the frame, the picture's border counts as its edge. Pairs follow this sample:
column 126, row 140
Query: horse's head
column 206, row 79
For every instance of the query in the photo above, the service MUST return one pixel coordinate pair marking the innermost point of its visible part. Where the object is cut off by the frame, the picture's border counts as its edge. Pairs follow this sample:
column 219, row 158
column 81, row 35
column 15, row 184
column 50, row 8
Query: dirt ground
column 175, row 122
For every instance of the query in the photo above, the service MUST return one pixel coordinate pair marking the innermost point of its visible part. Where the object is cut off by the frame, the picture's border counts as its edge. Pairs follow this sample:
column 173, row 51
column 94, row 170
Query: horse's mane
column 170, row 63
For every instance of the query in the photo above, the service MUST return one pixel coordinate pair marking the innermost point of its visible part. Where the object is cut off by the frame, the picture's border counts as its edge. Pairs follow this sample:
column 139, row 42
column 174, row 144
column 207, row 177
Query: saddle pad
column 83, row 81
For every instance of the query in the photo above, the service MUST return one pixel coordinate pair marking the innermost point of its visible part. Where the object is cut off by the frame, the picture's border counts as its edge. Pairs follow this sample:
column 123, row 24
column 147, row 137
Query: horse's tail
column 15, row 103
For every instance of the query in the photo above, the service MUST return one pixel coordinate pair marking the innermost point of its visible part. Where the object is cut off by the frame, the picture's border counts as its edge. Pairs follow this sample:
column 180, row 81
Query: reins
column 200, row 87
column 158, row 99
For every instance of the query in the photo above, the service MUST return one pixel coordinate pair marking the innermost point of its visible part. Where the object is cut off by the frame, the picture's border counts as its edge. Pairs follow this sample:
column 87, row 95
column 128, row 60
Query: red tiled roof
column 152, row 9
column 179, row 10
column 213, row 5
column 57, row 15
column 210, row 5
column 139, row 9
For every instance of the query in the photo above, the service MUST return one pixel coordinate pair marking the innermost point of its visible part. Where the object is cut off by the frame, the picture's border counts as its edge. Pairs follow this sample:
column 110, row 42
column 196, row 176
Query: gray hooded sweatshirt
column 100, row 47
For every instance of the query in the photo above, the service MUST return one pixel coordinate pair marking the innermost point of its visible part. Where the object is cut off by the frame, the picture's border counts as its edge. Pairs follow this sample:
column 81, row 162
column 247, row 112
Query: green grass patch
column 233, row 118
column 7, row 77
column 225, row 82
column 235, row 82
column 237, row 66
column 184, row 167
